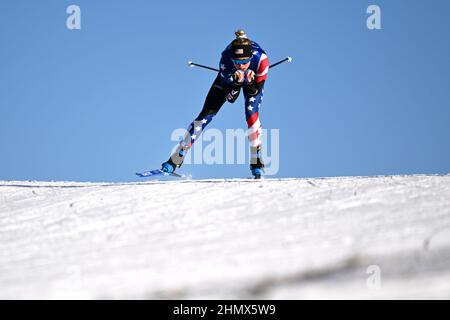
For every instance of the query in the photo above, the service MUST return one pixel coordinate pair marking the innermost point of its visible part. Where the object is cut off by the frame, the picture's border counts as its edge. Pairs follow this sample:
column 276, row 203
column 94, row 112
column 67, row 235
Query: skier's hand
column 249, row 76
column 239, row 77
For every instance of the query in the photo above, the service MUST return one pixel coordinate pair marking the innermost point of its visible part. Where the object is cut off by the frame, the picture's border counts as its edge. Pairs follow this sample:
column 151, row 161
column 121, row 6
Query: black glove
column 254, row 88
column 249, row 77
column 238, row 78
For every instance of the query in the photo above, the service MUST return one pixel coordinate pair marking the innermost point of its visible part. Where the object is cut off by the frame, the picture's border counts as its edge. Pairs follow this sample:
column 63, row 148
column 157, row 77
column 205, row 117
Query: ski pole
column 288, row 59
column 192, row 64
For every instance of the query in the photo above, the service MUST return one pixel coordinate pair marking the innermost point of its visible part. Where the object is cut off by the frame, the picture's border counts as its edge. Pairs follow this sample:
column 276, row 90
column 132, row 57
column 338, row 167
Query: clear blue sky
column 100, row 103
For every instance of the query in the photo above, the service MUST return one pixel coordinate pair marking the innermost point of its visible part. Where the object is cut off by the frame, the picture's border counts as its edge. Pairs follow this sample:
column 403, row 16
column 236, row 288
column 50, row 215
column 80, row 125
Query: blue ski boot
column 169, row 166
column 257, row 172
column 256, row 163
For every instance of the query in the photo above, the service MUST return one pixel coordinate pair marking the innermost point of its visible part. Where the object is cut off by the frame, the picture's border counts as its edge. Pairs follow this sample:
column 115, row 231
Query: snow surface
column 227, row 239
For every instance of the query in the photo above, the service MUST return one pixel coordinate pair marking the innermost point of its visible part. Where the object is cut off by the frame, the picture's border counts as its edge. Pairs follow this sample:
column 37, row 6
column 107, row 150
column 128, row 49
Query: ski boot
column 256, row 163
column 257, row 173
column 169, row 166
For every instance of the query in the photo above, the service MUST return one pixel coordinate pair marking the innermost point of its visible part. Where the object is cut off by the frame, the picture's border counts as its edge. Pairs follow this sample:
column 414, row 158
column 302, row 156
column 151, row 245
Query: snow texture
column 351, row 237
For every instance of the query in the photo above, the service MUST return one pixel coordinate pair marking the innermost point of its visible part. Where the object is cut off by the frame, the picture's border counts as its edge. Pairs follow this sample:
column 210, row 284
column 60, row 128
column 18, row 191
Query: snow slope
column 351, row 237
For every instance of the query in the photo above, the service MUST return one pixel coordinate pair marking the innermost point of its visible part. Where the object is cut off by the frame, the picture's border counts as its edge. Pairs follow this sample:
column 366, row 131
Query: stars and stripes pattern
column 252, row 105
column 194, row 130
column 263, row 68
column 260, row 65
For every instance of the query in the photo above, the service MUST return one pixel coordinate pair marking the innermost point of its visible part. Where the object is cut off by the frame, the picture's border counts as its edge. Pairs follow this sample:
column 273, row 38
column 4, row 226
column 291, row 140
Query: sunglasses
column 235, row 61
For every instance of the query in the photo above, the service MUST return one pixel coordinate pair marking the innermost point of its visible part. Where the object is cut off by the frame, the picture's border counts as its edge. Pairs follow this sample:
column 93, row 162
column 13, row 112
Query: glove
column 249, row 76
column 238, row 77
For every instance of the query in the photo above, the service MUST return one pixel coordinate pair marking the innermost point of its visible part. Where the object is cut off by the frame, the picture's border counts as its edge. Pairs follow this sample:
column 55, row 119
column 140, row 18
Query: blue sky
column 100, row 103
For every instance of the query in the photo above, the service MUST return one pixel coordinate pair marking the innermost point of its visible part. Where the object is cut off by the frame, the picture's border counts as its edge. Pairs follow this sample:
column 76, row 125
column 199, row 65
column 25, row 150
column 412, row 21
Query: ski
column 157, row 172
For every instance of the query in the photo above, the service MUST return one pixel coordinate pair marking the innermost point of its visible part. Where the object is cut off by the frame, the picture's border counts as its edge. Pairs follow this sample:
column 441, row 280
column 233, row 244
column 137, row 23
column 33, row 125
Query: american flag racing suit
column 224, row 89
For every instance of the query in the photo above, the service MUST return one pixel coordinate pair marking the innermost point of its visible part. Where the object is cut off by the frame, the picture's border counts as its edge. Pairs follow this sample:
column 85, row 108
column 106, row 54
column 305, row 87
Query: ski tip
column 158, row 172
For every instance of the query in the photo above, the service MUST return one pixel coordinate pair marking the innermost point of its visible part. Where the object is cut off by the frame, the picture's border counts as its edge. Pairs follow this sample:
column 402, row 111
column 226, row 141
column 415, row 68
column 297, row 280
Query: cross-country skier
column 243, row 65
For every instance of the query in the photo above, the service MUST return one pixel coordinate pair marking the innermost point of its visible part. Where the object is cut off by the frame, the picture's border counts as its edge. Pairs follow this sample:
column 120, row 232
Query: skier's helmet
column 241, row 48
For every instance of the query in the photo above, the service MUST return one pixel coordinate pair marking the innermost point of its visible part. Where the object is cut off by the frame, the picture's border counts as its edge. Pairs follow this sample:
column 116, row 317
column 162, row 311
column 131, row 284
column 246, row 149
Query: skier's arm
column 235, row 87
column 228, row 81
column 226, row 73
column 255, row 86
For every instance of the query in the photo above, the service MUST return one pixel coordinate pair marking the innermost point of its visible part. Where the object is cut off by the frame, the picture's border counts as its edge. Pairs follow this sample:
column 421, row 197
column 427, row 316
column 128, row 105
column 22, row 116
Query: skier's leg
column 252, row 107
column 214, row 101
